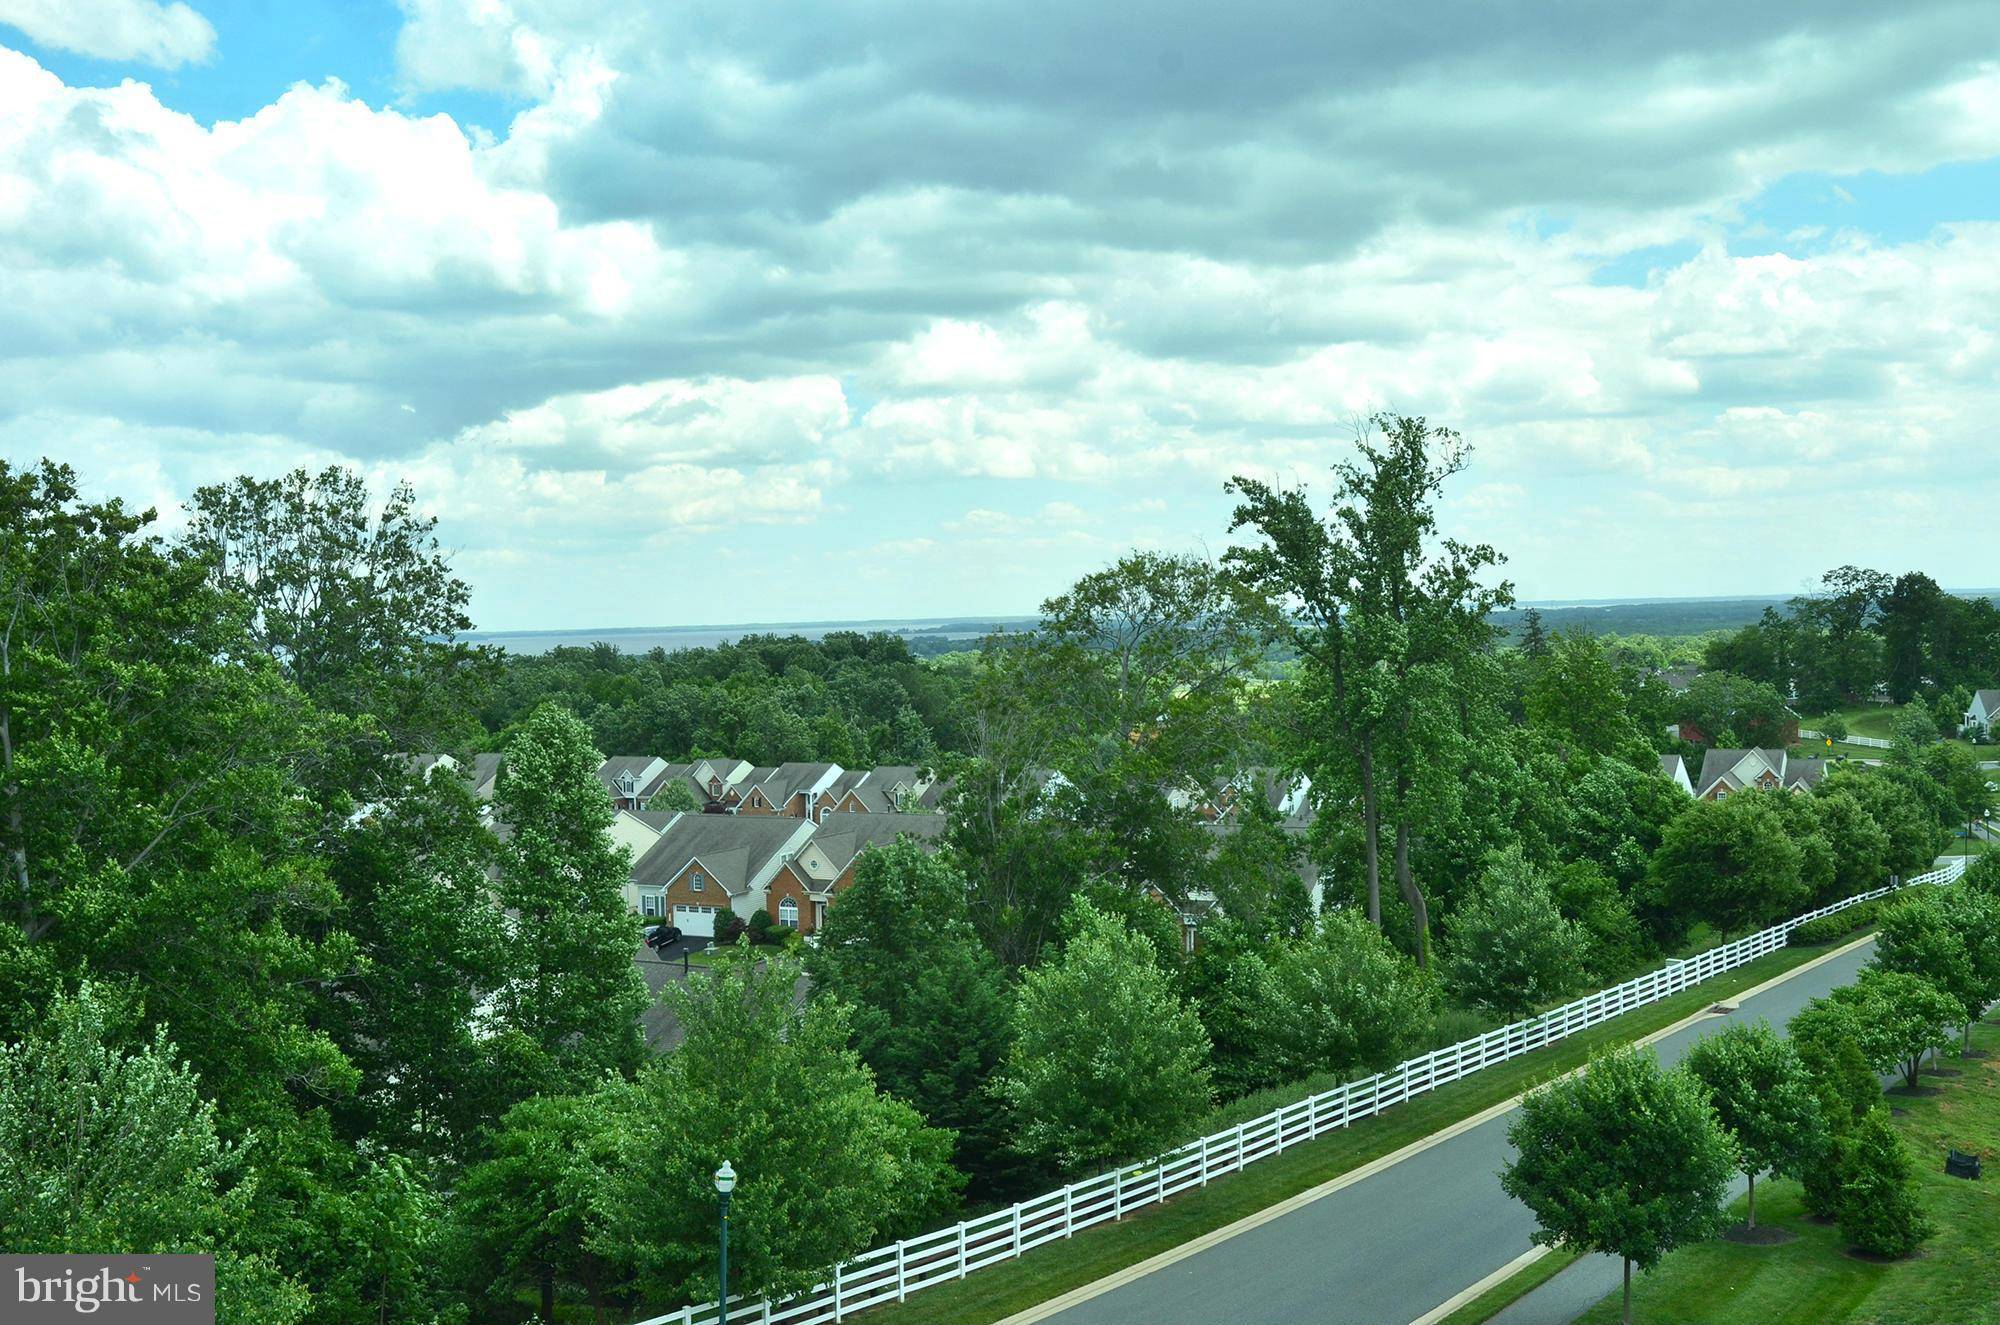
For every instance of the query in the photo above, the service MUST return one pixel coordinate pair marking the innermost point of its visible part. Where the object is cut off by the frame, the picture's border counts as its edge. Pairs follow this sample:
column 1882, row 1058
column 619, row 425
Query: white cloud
column 166, row 35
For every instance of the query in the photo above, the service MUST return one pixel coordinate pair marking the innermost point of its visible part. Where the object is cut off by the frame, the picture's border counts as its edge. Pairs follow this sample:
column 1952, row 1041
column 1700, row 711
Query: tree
column 1383, row 615
column 1621, row 1158
column 930, row 1008
column 1732, row 711
column 1575, row 693
column 1915, row 726
column 1339, row 999
column 1859, row 846
column 1588, row 898
column 1534, row 636
column 1879, row 1209
column 535, row 1209
column 1901, row 1018
column 1826, row 1034
column 1107, row 1064
column 115, row 1151
column 429, row 949
column 571, row 998
column 1760, row 1091
column 1729, row 862
column 1508, row 947
column 1950, row 945
column 828, row 1166
column 676, row 795
column 1254, row 873
column 356, row 602
column 1914, row 833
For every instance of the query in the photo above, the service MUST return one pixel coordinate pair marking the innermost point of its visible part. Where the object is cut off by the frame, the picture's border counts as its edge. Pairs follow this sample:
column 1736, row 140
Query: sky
column 712, row 312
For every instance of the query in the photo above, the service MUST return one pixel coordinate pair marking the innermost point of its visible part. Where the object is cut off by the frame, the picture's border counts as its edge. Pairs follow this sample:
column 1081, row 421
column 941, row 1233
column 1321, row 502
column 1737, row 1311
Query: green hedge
column 1838, row 925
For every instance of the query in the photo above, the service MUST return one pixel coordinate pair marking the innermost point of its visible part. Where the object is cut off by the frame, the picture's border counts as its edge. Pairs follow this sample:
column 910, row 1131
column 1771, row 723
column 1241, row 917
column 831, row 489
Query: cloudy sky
column 723, row 310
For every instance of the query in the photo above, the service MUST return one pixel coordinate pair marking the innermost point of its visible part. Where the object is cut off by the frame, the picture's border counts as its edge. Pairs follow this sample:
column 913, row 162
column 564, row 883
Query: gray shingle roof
column 1988, row 700
column 732, row 848
column 841, row 837
column 787, row 780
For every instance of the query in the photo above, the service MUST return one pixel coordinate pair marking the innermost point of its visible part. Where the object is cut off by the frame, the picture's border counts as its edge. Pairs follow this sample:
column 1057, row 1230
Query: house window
column 788, row 913
column 649, row 904
column 696, row 883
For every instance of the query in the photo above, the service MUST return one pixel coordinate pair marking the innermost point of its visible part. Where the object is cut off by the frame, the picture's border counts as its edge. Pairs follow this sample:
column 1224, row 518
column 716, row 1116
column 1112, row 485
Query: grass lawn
column 1511, row 1290
column 1813, row 1280
column 1878, row 721
column 1000, row 1291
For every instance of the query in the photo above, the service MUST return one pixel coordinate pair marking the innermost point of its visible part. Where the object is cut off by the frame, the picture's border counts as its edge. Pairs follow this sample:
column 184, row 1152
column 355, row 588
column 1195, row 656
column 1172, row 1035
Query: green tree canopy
column 1761, row 1093
column 570, row 1003
column 932, row 1012
column 828, row 1165
column 1901, row 1017
column 1729, row 862
column 1107, row 1064
column 110, row 1150
column 1621, row 1158
column 1508, row 947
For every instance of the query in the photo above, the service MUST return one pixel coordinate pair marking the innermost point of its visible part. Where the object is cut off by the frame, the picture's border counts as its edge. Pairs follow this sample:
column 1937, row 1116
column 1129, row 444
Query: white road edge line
column 1494, row 1280
column 1097, row 1288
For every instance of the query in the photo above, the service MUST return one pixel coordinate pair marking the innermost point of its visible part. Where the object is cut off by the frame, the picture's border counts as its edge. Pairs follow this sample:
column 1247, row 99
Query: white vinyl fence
column 1865, row 742
column 890, row 1274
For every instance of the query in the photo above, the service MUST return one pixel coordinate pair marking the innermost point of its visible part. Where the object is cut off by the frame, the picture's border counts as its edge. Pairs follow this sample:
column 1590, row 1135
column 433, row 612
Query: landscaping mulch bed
column 1915, row 1092
column 1764, row 1235
column 1943, row 1072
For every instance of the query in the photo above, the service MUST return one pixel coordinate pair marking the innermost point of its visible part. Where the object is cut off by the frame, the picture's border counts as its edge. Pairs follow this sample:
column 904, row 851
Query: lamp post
column 725, row 1183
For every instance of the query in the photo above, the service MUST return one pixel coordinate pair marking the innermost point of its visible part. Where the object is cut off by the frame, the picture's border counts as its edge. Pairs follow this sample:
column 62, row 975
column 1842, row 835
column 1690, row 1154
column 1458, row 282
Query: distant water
column 643, row 639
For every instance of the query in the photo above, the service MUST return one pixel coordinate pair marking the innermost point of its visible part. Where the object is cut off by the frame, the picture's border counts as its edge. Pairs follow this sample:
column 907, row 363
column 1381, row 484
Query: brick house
column 793, row 790
column 703, row 865
column 801, row 892
column 627, row 778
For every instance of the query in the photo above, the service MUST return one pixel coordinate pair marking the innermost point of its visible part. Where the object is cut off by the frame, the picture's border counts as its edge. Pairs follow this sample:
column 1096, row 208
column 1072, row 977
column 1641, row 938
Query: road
column 1391, row 1247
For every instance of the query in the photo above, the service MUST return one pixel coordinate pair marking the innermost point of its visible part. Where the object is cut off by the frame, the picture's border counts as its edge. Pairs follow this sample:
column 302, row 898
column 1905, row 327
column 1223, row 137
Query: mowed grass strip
column 1511, row 1290
column 1001, row 1290
column 1813, row 1280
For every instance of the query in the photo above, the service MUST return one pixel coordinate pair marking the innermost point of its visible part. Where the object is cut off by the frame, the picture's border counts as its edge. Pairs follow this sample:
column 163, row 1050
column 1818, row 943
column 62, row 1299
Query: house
column 883, row 790
column 1982, row 714
column 711, row 781
column 638, row 830
column 703, row 865
column 1676, row 771
column 1727, row 771
column 802, row 891
column 793, row 790
column 627, row 778
column 484, row 774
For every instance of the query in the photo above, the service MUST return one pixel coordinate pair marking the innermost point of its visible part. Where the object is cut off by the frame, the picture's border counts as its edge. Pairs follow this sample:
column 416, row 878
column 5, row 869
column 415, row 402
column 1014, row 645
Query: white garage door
column 695, row 921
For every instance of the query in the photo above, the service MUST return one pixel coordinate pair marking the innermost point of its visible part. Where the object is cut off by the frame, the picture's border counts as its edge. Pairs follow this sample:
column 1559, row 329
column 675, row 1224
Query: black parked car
column 659, row 936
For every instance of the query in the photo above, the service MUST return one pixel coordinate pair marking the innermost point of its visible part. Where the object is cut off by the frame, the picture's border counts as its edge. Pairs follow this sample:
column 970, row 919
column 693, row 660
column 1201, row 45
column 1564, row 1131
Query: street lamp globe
column 725, row 1179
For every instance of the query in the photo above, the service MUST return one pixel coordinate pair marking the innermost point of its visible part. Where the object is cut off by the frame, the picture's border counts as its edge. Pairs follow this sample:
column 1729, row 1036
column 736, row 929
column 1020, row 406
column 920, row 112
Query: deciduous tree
column 1760, row 1091
column 1621, row 1158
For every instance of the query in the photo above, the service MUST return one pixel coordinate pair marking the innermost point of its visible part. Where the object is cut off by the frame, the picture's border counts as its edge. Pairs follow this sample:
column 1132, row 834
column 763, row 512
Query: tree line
column 1630, row 1160
column 386, row 1058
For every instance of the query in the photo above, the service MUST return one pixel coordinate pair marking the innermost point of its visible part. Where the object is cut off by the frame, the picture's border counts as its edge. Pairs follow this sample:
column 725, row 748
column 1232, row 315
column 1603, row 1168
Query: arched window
column 788, row 913
column 696, row 883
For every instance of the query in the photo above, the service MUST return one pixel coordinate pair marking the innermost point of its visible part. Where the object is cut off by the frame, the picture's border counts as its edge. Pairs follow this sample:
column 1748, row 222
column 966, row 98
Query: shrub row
column 1838, row 925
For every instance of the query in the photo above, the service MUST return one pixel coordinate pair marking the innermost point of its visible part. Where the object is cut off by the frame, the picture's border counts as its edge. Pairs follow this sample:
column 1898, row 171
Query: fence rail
column 892, row 1273
column 1865, row 742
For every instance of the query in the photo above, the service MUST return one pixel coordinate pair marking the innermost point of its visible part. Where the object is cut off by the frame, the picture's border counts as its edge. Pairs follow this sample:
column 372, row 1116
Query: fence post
column 1069, row 1209
column 902, row 1274
column 961, row 1251
column 1017, row 1230
column 1117, row 1195
column 837, row 1270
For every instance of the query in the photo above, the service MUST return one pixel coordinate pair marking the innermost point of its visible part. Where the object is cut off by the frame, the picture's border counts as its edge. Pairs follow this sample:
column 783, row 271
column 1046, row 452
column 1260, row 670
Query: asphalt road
column 1395, row 1245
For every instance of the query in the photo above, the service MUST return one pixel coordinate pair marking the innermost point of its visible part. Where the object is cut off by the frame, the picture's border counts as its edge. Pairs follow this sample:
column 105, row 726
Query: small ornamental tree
column 1826, row 1034
column 1107, row 1063
column 1758, row 1086
column 1975, row 916
column 1729, row 862
column 1901, row 1018
column 1879, row 1210
column 1926, row 938
column 1508, row 948
column 1621, row 1158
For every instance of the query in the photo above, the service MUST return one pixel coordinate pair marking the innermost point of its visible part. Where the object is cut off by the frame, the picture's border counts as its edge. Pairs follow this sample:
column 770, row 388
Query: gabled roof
column 934, row 794
column 843, row 836
column 642, row 769
column 877, row 788
column 485, row 772
column 1737, row 769
column 1988, row 700
column 733, row 849
column 787, row 780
